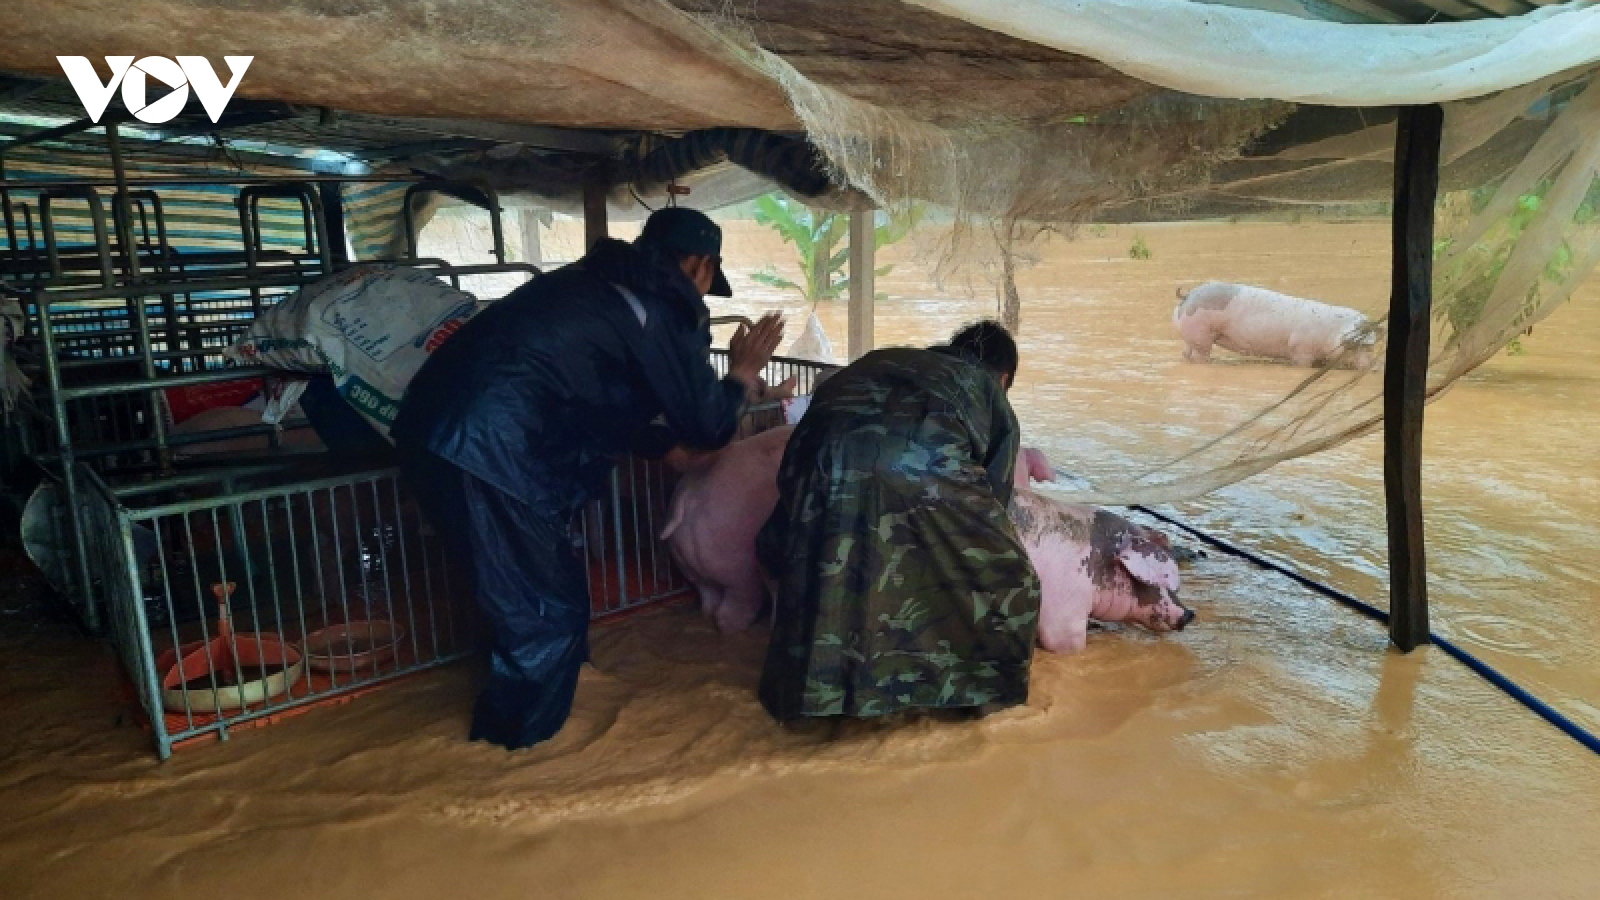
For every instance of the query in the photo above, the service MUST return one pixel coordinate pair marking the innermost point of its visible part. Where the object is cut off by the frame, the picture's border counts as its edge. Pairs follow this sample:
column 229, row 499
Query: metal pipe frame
column 69, row 475
column 242, row 281
column 136, row 307
column 174, row 441
column 70, row 452
column 5, row 207
column 461, row 190
column 97, row 218
column 191, row 479
column 196, row 181
column 311, row 217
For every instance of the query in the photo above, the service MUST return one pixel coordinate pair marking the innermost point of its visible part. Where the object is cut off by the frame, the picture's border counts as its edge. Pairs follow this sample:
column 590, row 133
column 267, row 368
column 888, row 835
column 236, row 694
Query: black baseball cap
column 682, row 232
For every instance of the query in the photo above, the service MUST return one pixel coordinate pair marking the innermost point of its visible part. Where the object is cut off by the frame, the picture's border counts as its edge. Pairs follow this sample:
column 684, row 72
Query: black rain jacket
column 541, row 392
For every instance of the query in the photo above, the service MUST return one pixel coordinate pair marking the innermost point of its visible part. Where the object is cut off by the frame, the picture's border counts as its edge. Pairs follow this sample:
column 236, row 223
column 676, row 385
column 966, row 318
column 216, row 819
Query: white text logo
column 188, row 72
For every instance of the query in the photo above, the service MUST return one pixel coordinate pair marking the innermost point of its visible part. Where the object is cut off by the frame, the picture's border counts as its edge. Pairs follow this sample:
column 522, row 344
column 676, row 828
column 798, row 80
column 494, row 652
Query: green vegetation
column 1470, row 279
column 1139, row 250
column 822, row 239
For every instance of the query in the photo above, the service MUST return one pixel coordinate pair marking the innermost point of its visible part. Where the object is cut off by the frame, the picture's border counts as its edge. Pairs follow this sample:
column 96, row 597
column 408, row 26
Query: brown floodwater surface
column 1273, row 749
column 1512, row 472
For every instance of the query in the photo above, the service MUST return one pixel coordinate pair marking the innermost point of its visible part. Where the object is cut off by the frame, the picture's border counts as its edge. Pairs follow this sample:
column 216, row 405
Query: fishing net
column 1517, row 225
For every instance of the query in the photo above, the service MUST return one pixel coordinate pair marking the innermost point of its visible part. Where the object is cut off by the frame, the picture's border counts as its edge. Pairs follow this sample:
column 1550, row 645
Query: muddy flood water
column 1274, row 749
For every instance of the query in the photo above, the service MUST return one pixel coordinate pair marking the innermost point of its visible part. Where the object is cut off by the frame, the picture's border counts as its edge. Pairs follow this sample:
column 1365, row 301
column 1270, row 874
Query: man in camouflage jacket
column 900, row 580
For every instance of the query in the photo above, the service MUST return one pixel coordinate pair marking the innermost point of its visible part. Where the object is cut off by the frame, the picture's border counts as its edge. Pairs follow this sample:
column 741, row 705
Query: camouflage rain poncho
column 900, row 582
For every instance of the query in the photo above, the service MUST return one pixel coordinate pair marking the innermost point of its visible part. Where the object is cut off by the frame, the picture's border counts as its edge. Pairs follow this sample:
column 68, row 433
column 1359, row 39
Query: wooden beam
column 594, row 211
column 1405, row 376
column 863, row 283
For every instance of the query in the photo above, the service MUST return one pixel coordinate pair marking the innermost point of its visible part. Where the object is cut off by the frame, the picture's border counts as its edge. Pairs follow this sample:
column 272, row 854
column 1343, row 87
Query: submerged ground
column 1276, row 749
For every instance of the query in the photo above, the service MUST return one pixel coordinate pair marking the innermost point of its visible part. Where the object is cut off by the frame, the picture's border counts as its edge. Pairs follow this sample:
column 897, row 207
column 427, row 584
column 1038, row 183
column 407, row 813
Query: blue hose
column 1483, row 669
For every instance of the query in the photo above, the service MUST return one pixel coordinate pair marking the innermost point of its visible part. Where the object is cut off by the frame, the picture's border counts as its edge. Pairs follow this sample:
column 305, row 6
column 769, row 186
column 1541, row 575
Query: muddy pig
column 1094, row 564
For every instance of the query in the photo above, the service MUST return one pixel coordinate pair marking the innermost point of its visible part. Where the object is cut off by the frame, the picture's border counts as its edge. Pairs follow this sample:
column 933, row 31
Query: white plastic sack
column 813, row 343
column 370, row 327
column 284, row 402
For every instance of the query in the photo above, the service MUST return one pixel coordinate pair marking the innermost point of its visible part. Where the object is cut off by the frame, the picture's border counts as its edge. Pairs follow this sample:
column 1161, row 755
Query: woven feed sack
column 370, row 327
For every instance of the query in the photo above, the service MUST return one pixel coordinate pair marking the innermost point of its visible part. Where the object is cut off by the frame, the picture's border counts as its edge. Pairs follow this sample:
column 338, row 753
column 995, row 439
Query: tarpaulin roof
column 650, row 65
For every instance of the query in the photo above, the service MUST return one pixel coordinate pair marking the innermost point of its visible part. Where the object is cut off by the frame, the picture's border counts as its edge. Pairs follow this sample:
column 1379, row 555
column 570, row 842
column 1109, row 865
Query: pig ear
column 1160, row 537
column 1148, row 563
column 1039, row 468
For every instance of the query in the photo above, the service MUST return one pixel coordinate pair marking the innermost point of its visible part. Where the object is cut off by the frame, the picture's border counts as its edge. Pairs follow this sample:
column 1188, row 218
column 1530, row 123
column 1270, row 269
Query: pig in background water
column 1091, row 563
column 1257, row 322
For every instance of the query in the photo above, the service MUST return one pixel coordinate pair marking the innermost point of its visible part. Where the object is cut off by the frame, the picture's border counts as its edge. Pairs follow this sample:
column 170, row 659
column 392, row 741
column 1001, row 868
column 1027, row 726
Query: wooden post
column 863, row 284
column 594, row 210
column 531, row 252
column 1405, row 375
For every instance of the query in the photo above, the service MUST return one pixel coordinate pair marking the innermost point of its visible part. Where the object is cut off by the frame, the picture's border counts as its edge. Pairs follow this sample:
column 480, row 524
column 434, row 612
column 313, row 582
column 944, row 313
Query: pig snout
column 1176, row 614
column 1166, row 615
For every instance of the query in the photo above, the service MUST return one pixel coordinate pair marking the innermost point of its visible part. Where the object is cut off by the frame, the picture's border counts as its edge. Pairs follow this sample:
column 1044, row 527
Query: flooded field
column 1512, row 472
column 1275, row 749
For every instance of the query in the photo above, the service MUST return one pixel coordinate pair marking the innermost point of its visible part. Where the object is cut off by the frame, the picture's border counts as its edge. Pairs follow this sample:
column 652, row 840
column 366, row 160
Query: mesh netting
column 1517, row 233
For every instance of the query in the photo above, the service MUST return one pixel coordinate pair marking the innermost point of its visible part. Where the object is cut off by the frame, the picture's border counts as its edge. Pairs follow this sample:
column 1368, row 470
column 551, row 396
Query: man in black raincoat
column 517, row 420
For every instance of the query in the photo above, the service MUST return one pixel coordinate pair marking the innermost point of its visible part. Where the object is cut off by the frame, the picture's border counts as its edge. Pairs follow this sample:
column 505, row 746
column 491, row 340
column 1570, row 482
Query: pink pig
column 1258, row 322
column 1091, row 563
column 1094, row 564
column 719, row 505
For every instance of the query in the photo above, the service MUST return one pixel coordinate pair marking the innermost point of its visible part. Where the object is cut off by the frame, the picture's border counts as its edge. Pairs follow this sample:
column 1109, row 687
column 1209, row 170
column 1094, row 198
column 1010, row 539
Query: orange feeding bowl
column 364, row 644
column 229, row 671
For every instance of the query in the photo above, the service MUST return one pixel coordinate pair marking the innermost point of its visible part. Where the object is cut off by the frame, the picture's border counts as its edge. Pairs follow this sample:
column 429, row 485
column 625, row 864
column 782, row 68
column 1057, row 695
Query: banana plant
column 822, row 240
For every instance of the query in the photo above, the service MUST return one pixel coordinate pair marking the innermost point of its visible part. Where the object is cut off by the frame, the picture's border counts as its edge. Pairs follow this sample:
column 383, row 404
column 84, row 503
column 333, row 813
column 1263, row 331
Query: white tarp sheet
column 1245, row 54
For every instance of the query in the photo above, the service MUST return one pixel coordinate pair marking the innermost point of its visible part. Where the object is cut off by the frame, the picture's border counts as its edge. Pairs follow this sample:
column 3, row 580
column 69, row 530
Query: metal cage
column 332, row 583
column 299, row 561
column 114, row 322
column 341, row 571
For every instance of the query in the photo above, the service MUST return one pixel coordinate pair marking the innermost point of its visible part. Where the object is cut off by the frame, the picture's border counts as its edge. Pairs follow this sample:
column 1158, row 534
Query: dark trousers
column 529, row 584
column 337, row 424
